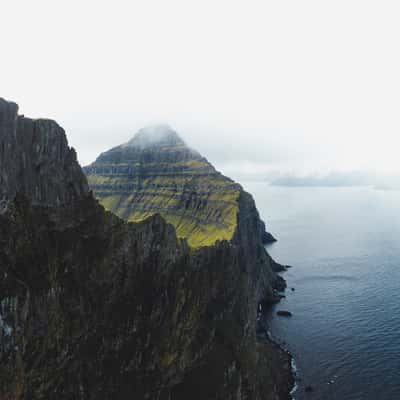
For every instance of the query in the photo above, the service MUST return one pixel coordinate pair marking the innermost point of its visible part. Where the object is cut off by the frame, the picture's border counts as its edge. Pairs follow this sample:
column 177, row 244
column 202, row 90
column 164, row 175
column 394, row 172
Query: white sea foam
column 294, row 373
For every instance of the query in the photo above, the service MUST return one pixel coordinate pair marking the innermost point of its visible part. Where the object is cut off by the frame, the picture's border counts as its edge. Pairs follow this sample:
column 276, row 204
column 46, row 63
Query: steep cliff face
column 93, row 307
column 35, row 160
column 156, row 172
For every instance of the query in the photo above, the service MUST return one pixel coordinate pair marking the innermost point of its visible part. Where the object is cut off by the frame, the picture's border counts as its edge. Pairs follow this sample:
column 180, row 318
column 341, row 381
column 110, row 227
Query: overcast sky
column 253, row 85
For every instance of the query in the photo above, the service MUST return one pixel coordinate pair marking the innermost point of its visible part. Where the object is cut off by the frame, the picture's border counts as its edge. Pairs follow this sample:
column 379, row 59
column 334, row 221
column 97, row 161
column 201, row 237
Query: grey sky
column 253, row 85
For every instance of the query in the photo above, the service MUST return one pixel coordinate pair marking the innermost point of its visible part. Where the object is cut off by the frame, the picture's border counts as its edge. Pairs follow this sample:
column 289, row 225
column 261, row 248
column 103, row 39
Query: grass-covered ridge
column 137, row 181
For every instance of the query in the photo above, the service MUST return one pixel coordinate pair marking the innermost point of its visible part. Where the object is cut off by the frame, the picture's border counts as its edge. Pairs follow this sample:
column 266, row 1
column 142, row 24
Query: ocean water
column 344, row 248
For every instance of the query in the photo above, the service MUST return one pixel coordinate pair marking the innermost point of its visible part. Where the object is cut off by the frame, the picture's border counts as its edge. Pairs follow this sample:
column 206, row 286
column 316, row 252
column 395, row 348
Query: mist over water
column 343, row 246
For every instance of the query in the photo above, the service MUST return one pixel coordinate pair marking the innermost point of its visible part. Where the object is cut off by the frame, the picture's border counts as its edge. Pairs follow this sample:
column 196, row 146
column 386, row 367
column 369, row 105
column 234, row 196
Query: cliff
column 156, row 172
column 93, row 307
column 35, row 160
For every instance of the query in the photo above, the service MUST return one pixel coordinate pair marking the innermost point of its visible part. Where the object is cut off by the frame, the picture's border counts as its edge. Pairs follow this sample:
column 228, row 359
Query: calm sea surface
column 344, row 246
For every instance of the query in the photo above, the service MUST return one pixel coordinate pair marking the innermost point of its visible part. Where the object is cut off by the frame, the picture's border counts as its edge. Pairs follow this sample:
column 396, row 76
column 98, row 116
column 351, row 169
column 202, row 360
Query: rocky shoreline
column 288, row 368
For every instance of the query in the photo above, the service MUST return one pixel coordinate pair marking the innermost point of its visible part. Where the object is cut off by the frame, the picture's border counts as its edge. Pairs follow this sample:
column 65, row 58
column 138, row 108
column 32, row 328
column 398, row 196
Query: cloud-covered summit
column 155, row 135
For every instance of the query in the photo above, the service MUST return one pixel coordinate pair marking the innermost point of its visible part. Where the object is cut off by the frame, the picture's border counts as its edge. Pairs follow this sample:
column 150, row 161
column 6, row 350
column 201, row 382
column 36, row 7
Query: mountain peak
column 155, row 136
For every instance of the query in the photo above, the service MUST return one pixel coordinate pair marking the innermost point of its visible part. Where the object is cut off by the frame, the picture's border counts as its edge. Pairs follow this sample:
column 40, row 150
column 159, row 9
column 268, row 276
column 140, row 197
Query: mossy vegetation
column 202, row 220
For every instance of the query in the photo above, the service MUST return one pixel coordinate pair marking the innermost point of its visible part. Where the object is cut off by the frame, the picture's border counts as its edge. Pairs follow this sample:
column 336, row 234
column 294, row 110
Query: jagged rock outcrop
column 156, row 172
column 35, row 160
column 93, row 307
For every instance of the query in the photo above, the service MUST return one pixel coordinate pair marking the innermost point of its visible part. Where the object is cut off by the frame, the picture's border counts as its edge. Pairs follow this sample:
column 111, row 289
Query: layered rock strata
column 156, row 172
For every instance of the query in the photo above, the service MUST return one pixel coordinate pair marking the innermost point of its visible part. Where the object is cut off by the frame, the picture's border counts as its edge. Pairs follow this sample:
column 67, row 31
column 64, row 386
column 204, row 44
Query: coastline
column 284, row 373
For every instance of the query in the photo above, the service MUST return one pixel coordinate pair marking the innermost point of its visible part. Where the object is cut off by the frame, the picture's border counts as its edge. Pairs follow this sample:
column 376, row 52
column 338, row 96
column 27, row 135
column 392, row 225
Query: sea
column 343, row 246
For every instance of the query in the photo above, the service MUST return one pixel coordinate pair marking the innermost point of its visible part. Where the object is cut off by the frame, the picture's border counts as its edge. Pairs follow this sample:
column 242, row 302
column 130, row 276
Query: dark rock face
column 35, row 160
column 92, row 307
column 266, row 237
